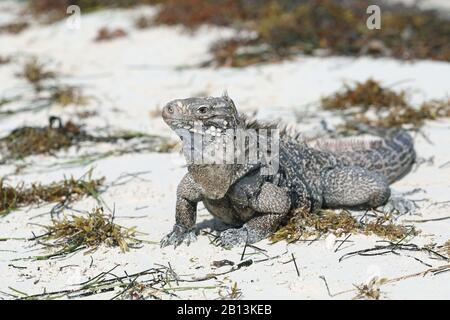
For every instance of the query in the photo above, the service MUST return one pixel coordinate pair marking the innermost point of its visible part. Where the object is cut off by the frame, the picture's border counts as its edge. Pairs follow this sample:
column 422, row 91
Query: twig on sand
column 445, row 164
column 243, row 251
column 210, row 276
column 342, row 242
column 383, row 281
column 295, row 264
column 427, row 220
column 391, row 248
column 328, row 288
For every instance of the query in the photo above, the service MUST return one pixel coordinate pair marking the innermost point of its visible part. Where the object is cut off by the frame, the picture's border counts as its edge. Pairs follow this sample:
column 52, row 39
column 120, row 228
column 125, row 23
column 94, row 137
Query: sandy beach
column 130, row 79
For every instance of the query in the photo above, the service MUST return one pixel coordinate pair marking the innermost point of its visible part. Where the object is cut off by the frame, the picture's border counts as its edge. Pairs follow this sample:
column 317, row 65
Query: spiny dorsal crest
column 348, row 144
column 286, row 131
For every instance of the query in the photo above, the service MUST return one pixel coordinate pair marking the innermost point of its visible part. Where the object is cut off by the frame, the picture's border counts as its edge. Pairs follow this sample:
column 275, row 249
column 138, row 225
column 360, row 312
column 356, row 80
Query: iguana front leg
column 272, row 204
column 188, row 195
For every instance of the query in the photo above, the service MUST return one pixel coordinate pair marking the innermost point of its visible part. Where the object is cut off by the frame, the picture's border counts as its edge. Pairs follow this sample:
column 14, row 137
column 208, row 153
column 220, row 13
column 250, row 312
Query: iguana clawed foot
column 399, row 205
column 179, row 235
column 239, row 236
column 232, row 237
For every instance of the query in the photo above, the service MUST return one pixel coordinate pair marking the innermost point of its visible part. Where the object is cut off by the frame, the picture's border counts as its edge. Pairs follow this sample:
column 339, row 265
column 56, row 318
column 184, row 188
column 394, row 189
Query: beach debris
column 86, row 114
column 77, row 232
column 26, row 141
column 370, row 290
column 445, row 249
column 365, row 95
column 240, row 52
column 375, row 105
column 14, row 27
column 143, row 22
column 153, row 283
column 304, row 226
column 65, row 191
column 4, row 60
column 48, row 89
column 56, row 9
column 231, row 293
column 194, row 13
column 385, row 247
column 106, row 34
column 285, row 28
column 288, row 28
column 222, row 263
column 35, row 72
column 65, row 95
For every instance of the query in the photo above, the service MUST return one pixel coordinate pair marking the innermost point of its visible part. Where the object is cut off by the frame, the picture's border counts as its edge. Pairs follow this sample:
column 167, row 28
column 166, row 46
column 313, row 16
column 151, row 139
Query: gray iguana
column 333, row 173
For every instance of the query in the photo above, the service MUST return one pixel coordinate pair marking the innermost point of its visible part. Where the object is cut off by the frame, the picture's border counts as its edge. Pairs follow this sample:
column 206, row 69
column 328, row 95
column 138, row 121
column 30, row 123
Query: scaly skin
column 329, row 174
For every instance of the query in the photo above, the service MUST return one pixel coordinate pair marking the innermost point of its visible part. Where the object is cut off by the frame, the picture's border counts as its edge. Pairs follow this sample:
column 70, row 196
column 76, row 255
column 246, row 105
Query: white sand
column 131, row 77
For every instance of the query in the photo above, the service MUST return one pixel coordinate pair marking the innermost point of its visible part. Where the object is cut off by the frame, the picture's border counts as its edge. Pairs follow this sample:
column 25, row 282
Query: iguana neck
column 216, row 177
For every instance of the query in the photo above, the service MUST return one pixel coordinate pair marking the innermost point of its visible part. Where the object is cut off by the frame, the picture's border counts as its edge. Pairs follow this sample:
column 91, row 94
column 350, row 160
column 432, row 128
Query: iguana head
column 209, row 116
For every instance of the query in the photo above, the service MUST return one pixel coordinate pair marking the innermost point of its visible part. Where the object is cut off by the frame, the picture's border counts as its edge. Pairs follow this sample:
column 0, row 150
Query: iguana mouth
column 195, row 127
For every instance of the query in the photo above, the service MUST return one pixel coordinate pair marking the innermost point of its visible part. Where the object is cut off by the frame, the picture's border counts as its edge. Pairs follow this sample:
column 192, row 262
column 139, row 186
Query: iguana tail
column 390, row 153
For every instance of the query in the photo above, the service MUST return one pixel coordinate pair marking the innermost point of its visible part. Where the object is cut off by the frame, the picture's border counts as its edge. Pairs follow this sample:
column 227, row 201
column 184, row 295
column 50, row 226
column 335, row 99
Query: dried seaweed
column 445, row 248
column 194, row 13
column 232, row 293
column 416, row 117
column 316, row 27
column 370, row 290
column 143, row 22
column 56, row 9
column 240, row 52
column 4, row 60
column 289, row 27
column 26, row 141
column 371, row 103
column 394, row 248
column 365, row 95
column 153, row 283
column 48, row 90
column 67, row 95
column 305, row 226
column 14, row 28
column 72, row 234
column 35, row 72
column 106, row 34
column 65, row 191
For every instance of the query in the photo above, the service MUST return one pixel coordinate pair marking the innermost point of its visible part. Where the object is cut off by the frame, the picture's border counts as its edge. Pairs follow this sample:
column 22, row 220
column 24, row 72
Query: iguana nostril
column 169, row 109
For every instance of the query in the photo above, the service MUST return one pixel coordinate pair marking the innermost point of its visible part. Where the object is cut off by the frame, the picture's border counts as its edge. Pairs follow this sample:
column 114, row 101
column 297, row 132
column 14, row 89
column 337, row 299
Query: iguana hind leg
column 272, row 204
column 256, row 229
column 354, row 188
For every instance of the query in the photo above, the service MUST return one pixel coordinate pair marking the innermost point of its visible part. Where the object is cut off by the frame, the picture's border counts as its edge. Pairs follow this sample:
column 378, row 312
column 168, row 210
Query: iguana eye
column 202, row 110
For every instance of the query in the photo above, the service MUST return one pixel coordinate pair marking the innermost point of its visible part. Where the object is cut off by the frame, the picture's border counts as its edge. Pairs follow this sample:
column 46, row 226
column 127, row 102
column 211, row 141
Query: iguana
column 333, row 173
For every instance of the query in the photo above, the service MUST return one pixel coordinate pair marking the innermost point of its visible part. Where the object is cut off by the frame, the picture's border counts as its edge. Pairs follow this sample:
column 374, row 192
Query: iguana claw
column 399, row 205
column 232, row 237
column 179, row 235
